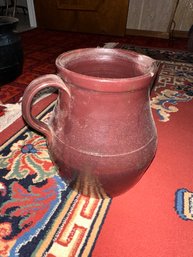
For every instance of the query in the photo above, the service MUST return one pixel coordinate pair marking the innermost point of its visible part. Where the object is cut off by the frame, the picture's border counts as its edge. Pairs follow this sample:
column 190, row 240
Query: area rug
column 41, row 216
column 155, row 218
column 160, row 54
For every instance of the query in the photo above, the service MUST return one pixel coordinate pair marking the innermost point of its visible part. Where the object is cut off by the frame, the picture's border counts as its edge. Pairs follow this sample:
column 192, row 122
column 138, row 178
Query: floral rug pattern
column 174, row 85
column 40, row 214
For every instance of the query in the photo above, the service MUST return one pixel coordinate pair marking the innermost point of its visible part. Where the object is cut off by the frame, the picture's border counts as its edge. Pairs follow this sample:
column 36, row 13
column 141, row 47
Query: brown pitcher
column 101, row 130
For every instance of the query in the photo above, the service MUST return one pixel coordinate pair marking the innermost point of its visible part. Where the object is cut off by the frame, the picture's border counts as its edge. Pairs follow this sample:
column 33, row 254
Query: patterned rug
column 41, row 216
column 165, row 55
column 174, row 85
column 155, row 217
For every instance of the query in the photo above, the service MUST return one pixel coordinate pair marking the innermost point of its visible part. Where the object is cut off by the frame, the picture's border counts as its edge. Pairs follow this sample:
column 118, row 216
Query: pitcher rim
column 79, row 79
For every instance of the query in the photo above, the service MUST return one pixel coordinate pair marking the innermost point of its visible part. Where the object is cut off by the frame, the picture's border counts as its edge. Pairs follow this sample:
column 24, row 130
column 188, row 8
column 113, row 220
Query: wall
column 150, row 14
column 184, row 15
column 156, row 16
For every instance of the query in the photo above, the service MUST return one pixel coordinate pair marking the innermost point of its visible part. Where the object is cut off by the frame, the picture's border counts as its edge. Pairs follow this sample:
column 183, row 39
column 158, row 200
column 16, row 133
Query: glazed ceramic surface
column 101, row 130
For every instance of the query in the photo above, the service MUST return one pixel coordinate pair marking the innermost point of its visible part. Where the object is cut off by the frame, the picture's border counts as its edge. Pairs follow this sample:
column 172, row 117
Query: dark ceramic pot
column 11, row 52
column 101, row 131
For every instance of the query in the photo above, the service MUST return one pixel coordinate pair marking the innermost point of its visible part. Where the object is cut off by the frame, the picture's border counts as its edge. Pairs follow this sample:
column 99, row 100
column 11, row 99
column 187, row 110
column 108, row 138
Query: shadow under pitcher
column 101, row 132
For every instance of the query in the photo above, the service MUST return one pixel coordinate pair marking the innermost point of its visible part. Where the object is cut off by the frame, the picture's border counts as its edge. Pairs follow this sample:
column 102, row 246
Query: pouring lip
column 80, row 79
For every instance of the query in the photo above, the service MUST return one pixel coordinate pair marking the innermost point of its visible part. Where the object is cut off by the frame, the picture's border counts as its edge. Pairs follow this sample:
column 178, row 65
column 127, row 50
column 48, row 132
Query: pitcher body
column 101, row 130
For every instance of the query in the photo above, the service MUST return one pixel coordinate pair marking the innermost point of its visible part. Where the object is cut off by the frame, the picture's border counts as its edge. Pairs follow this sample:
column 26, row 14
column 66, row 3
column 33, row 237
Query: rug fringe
column 110, row 45
column 12, row 113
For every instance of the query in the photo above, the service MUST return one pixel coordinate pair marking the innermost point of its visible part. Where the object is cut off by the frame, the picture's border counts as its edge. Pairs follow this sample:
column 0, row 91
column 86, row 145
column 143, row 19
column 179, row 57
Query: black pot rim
column 7, row 23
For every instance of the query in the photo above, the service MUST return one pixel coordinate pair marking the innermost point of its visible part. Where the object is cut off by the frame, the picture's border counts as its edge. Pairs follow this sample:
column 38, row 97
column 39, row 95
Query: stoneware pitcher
column 101, row 130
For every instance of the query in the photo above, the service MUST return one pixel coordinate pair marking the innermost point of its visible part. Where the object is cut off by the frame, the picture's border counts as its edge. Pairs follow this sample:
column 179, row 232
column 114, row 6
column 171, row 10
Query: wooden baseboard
column 147, row 33
column 157, row 34
column 180, row 34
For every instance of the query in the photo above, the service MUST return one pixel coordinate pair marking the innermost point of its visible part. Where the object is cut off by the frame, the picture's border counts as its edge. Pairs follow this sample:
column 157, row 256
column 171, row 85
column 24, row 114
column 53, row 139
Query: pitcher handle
column 49, row 80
